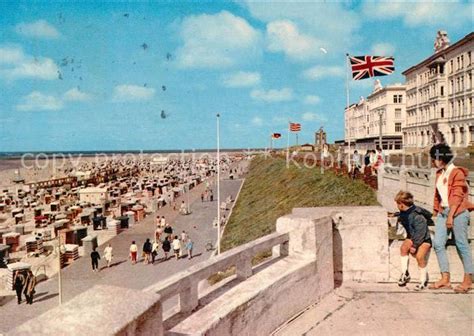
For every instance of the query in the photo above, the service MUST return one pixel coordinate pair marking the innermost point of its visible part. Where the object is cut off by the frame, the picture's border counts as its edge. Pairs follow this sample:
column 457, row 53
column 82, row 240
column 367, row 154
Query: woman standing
column 451, row 209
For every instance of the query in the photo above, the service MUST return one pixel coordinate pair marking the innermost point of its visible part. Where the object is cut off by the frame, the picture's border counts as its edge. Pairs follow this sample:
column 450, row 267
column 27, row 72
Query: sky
column 148, row 75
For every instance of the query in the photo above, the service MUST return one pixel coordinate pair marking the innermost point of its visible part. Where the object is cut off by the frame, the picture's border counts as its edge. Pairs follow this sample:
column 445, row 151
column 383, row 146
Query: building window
column 469, row 58
column 471, row 130
column 453, row 136
column 462, row 61
column 397, row 99
column 461, row 136
column 451, row 66
column 398, row 127
column 398, row 113
column 442, row 112
column 470, row 80
column 441, row 90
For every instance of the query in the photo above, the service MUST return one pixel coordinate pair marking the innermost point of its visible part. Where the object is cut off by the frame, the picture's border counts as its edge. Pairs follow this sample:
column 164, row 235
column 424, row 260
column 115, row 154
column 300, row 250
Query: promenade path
column 384, row 309
column 79, row 277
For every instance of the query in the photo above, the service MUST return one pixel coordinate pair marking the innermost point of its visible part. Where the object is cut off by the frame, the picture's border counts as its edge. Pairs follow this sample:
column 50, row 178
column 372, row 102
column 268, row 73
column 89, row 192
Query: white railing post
column 244, row 267
column 188, row 298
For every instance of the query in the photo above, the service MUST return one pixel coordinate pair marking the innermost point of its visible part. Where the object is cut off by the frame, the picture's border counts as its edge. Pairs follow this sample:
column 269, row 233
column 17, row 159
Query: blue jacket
column 415, row 221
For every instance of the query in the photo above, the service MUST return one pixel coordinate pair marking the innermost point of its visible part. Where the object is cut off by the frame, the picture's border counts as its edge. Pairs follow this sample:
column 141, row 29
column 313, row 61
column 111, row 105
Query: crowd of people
column 372, row 160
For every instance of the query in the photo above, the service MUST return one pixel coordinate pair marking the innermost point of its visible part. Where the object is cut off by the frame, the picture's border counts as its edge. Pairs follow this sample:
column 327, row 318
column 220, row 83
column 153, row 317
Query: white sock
column 404, row 262
column 423, row 274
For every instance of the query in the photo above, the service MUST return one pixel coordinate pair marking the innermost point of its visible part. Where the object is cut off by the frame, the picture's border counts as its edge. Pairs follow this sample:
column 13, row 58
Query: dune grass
column 272, row 190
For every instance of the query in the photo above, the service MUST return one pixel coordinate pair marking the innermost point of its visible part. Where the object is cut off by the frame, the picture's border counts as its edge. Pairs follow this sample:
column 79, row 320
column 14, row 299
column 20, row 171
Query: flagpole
column 271, row 141
column 296, row 139
column 218, row 188
column 288, row 143
column 347, row 109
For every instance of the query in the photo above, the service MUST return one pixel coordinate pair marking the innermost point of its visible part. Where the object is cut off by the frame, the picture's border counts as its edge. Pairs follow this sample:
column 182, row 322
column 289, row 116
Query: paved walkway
column 384, row 309
column 79, row 277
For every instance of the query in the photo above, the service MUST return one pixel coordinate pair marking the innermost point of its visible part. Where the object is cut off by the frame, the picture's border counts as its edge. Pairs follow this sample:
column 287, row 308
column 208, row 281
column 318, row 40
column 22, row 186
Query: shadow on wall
column 338, row 257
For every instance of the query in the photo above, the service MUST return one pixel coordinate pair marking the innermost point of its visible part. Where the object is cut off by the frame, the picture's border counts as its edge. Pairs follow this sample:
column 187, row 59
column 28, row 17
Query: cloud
column 319, row 72
column 128, row 92
column 36, row 101
column 241, row 79
column 257, row 121
column 37, row 29
column 312, row 100
column 311, row 116
column 216, row 41
column 421, row 13
column 272, row 96
column 383, row 49
column 333, row 25
column 11, row 55
column 76, row 95
column 284, row 36
column 15, row 64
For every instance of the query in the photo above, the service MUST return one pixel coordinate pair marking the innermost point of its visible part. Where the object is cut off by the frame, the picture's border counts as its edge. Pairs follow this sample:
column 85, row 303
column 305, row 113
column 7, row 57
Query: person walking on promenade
column 29, row 289
column 166, row 246
column 154, row 250
column 158, row 221
column 19, row 280
column 133, row 252
column 158, row 233
column 147, row 248
column 95, row 257
column 176, row 247
column 202, row 197
column 162, row 221
column 211, row 196
column 418, row 242
column 183, row 238
column 108, row 254
column 168, row 230
column 189, row 247
column 451, row 209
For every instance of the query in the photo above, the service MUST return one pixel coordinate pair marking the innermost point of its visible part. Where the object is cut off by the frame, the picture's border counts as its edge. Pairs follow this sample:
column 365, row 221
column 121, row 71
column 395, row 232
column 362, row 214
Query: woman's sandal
column 461, row 290
column 439, row 286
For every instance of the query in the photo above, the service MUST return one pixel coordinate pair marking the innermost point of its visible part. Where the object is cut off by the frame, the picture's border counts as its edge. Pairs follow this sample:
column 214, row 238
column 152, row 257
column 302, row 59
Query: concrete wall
column 102, row 310
column 360, row 239
column 420, row 182
column 264, row 301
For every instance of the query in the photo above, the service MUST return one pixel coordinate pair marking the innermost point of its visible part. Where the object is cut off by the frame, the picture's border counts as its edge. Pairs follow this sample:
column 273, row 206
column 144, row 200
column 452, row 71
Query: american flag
column 371, row 66
column 295, row 127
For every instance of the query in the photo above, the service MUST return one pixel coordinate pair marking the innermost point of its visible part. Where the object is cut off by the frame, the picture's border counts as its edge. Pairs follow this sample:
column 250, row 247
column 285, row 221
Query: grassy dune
column 271, row 191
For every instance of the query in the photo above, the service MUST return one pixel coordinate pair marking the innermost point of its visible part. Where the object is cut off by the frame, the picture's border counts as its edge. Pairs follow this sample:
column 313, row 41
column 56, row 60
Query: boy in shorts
column 418, row 241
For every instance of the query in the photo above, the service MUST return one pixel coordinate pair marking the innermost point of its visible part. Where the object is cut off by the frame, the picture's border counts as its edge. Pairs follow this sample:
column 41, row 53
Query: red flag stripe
column 295, row 127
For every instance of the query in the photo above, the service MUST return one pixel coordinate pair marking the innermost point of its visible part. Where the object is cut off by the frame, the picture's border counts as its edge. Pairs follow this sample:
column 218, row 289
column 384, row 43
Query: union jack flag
column 370, row 66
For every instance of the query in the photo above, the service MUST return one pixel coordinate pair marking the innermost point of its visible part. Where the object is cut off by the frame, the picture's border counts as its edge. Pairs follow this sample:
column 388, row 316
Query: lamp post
column 380, row 128
column 218, row 188
column 60, row 282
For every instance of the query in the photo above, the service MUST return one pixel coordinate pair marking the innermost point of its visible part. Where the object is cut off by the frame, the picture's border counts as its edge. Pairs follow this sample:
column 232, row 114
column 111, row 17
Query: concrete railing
column 185, row 283
column 420, row 182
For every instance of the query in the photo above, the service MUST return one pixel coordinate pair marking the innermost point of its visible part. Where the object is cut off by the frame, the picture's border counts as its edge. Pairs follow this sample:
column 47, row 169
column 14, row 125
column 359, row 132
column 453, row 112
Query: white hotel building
column 383, row 112
column 439, row 96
